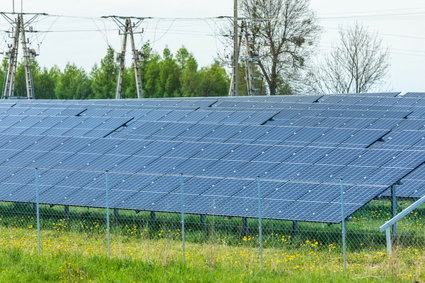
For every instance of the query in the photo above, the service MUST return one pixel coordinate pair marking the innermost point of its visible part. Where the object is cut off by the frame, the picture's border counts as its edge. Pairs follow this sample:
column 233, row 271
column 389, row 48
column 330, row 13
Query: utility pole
column 18, row 32
column 251, row 58
column 27, row 55
column 12, row 57
column 234, row 87
column 249, row 74
column 127, row 27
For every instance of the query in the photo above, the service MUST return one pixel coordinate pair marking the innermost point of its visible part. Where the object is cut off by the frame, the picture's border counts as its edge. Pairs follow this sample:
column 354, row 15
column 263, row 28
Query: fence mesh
column 37, row 215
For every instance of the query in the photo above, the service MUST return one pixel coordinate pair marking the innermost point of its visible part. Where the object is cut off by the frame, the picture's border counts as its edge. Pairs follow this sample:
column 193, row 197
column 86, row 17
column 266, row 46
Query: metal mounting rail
column 386, row 227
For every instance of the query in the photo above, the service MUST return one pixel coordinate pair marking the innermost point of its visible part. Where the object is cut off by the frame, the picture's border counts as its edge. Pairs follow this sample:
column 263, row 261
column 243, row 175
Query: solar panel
column 221, row 145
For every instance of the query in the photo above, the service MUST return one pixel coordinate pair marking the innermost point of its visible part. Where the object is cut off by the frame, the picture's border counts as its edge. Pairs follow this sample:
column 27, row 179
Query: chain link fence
column 36, row 215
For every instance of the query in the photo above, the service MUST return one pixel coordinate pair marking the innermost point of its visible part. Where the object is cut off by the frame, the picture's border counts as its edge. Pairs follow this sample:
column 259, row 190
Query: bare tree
column 282, row 33
column 357, row 64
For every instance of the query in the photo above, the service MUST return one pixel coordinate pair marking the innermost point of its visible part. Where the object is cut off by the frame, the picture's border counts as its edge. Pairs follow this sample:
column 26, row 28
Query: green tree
column 20, row 89
column 149, row 70
column 3, row 70
column 103, row 78
column 213, row 81
column 169, row 76
column 129, row 84
column 151, row 82
column 45, row 83
column 189, row 76
column 73, row 83
column 182, row 57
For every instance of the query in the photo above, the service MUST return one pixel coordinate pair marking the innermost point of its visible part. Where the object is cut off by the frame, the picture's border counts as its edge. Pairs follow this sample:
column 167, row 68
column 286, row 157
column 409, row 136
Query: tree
column 282, row 34
column 213, row 81
column 151, row 77
column 73, row 83
column 169, row 74
column 45, row 83
column 182, row 57
column 356, row 65
column 189, row 76
column 20, row 87
column 103, row 78
column 190, row 79
column 3, row 69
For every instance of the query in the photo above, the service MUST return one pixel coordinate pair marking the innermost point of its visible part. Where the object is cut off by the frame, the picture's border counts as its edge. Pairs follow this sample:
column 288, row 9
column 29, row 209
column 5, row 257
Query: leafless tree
column 358, row 63
column 282, row 33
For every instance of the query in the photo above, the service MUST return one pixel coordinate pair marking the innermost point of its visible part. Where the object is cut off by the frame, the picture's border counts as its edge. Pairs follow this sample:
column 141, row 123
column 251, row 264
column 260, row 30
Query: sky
column 78, row 35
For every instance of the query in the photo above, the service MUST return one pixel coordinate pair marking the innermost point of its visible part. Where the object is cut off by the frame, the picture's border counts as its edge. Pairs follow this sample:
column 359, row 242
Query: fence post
column 182, row 217
column 37, row 209
column 108, row 231
column 260, row 216
column 344, row 228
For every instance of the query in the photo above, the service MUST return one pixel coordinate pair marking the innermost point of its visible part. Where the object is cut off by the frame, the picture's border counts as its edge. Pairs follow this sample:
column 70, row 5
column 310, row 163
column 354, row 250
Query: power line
column 127, row 26
column 371, row 16
column 19, row 32
column 410, row 52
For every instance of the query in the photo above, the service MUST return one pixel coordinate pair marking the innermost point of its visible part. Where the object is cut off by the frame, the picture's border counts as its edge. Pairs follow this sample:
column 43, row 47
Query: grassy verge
column 74, row 248
column 72, row 256
column 19, row 266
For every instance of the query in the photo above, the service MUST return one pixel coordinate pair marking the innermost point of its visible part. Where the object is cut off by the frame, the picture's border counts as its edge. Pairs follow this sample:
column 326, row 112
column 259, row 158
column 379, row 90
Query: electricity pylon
column 18, row 32
column 234, row 86
column 127, row 26
column 251, row 58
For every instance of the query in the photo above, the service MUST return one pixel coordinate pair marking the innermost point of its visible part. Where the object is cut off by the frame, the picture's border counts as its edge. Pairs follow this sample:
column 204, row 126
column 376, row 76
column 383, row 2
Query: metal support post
column 116, row 214
column 386, row 227
column 260, row 220
column 394, row 205
column 244, row 226
column 37, row 203
column 203, row 219
column 295, row 227
column 66, row 211
column 389, row 241
column 344, row 228
column 108, row 228
column 182, row 203
column 152, row 217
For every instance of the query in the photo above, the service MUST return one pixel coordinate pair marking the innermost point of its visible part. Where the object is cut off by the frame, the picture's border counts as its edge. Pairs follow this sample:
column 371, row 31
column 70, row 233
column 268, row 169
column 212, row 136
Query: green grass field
column 75, row 249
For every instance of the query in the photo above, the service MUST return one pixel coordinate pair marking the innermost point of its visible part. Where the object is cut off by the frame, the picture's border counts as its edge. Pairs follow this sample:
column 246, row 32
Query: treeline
column 166, row 75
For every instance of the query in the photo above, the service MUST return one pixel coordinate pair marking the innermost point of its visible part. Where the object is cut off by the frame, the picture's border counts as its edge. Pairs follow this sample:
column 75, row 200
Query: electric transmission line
column 127, row 25
column 19, row 29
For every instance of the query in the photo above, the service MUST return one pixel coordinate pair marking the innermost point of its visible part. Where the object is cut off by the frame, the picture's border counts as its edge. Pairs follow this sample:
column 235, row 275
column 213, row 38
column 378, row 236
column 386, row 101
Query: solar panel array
column 299, row 146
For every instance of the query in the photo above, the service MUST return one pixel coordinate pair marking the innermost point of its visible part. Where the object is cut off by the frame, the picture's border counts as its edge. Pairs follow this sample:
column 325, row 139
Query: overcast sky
column 83, row 39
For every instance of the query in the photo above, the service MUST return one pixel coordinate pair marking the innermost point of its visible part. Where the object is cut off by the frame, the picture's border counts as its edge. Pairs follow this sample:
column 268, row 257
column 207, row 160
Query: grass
column 19, row 266
column 73, row 256
column 74, row 249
